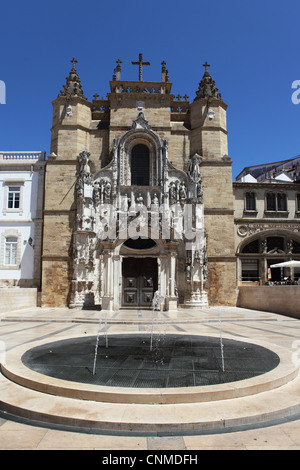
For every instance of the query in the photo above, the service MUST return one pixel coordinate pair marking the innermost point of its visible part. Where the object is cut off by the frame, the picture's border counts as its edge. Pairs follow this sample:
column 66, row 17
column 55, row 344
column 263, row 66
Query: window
column 250, row 270
column 275, row 244
column 281, row 202
column 11, row 246
column 271, row 202
column 252, row 247
column 13, row 198
column 250, row 202
column 298, row 203
column 140, row 165
column 276, row 202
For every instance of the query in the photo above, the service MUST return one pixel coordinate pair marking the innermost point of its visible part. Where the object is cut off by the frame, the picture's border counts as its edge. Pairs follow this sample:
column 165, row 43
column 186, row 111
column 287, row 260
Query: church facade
column 138, row 197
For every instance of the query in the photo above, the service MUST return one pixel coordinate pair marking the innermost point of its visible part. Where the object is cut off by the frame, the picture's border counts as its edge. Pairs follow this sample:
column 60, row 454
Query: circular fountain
column 151, row 381
column 181, row 368
column 128, row 361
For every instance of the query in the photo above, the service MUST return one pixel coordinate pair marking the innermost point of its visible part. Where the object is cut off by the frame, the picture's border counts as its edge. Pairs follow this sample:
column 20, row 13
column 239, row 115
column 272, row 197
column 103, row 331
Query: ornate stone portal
column 110, row 211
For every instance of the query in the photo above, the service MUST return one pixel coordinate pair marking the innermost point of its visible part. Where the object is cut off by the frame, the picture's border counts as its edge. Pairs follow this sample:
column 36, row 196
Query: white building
column 21, row 217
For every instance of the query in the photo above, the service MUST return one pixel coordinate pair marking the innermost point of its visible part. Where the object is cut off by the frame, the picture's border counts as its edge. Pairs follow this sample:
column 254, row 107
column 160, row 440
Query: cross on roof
column 206, row 65
column 74, row 61
column 140, row 63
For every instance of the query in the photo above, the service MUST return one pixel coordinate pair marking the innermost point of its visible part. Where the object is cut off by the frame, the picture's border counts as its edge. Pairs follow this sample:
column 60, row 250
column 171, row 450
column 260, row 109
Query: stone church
column 138, row 197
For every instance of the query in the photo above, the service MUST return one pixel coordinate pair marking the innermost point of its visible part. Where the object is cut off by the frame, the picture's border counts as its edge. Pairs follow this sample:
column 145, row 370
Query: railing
column 32, row 156
column 140, row 87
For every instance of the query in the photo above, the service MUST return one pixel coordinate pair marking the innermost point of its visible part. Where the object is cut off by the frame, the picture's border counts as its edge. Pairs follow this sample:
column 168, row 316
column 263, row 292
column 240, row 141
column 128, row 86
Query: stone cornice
column 217, row 211
column 70, row 127
column 59, row 211
column 56, row 258
column 210, row 162
column 269, row 221
column 210, row 128
column 76, row 99
column 58, row 161
column 220, row 258
column 295, row 186
column 211, row 102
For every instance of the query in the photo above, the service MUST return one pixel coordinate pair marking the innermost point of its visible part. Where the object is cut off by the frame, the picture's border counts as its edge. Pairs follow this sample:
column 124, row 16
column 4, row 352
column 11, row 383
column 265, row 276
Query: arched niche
column 152, row 145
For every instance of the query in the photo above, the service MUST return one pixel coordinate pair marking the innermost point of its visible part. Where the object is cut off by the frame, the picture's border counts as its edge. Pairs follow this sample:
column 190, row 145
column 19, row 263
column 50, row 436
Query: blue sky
column 252, row 47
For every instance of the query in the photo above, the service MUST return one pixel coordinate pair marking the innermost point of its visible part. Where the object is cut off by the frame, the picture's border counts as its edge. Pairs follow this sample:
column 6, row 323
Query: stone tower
column 138, row 197
column 209, row 139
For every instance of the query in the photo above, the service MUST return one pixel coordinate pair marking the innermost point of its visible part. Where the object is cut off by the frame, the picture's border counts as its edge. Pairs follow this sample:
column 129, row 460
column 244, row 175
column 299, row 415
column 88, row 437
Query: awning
column 286, row 264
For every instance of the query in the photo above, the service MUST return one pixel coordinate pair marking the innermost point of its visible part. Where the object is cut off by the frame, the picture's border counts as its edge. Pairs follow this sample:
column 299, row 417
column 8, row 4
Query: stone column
column 116, row 286
column 107, row 300
column 163, row 271
column 171, row 300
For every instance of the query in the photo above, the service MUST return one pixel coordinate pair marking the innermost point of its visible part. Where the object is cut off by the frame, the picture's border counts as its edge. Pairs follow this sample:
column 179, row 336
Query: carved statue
column 172, row 191
column 182, row 192
column 289, row 246
column 155, row 200
column 140, row 200
column 188, row 272
column 97, row 193
column 107, row 190
column 199, row 190
column 79, row 188
column 84, row 160
column 193, row 170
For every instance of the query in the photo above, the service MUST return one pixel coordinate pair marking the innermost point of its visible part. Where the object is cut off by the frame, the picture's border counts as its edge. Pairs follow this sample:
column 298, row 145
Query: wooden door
column 139, row 281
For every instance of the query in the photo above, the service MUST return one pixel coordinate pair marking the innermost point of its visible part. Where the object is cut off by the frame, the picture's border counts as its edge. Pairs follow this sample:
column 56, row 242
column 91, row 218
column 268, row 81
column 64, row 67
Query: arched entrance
column 259, row 252
column 133, row 269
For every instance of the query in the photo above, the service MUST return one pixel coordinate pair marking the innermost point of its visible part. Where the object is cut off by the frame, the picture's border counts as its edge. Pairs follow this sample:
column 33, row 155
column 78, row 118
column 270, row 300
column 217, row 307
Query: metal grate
column 128, row 362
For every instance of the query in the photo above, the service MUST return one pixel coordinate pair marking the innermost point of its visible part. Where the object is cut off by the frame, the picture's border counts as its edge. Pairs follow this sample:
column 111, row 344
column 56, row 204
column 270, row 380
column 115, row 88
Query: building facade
column 267, row 222
column 21, row 218
column 138, row 197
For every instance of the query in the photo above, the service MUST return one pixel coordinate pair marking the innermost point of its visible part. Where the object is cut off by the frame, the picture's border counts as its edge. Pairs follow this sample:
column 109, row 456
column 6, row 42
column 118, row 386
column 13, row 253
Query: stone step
column 41, row 408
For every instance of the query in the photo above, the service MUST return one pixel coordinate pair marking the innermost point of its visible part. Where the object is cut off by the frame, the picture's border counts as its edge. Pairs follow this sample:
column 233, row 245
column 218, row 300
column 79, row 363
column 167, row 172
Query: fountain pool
column 174, row 361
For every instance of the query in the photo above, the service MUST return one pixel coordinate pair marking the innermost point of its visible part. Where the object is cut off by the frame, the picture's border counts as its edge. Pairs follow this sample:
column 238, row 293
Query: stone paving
column 26, row 327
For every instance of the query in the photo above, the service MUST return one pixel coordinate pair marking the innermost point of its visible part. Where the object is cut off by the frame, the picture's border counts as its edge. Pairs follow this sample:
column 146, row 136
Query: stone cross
column 206, row 65
column 74, row 61
column 118, row 69
column 140, row 63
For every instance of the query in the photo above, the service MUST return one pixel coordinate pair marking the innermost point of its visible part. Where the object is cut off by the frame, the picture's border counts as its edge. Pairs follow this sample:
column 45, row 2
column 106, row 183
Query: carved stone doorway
column 139, row 281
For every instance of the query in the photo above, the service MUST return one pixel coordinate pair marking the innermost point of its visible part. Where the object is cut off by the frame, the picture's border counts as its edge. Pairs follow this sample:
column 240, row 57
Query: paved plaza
column 27, row 328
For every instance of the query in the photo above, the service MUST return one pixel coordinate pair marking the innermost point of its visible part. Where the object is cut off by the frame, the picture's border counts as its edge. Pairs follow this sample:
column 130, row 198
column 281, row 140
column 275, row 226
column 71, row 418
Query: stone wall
column 17, row 298
column 284, row 300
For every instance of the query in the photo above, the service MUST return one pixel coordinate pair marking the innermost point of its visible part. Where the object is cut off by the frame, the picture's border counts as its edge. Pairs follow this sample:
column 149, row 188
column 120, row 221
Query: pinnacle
column 207, row 87
column 73, row 85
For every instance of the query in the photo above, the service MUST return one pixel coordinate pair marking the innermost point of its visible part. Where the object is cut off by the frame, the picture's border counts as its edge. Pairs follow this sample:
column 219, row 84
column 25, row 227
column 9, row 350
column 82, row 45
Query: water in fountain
column 98, row 338
column 155, row 324
column 221, row 340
